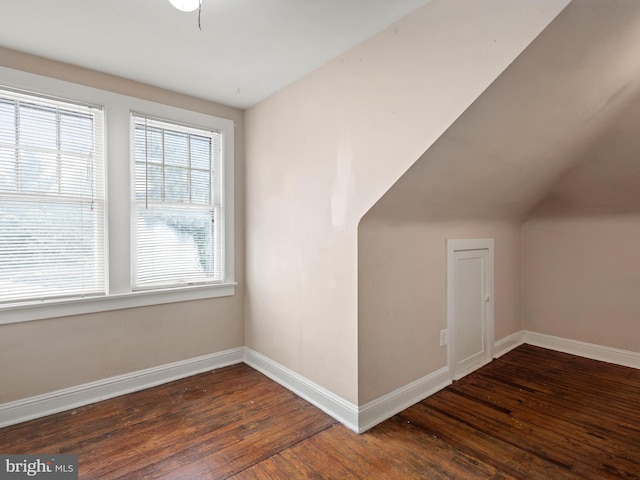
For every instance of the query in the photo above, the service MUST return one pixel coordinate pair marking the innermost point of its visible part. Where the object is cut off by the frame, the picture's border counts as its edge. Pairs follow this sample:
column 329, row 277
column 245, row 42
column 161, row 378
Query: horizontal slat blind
column 176, row 205
column 51, row 199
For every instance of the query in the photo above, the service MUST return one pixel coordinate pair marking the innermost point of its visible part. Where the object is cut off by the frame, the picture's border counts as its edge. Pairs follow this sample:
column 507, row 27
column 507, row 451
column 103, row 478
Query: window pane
column 177, row 185
column 8, row 172
column 200, row 187
column 7, row 122
column 154, row 144
column 141, row 181
column 139, row 149
column 52, row 258
column 76, row 176
column 154, row 183
column 37, row 126
column 38, row 172
column 200, row 152
column 176, row 148
column 174, row 244
column 76, row 133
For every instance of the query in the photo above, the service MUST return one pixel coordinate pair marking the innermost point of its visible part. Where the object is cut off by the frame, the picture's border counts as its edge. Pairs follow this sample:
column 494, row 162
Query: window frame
column 216, row 200
column 26, row 104
column 118, row 109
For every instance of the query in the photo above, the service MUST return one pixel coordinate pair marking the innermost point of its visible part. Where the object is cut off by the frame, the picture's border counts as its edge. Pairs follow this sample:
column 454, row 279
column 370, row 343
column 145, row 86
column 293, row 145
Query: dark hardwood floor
column 532, row 414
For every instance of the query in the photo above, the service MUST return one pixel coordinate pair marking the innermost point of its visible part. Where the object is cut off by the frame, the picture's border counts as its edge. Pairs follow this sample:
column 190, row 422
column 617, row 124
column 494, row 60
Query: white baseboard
column 358, row 419
column 354, row 418
column 588, row 350
column 385, row 407
column 380, row 409
column 507, row 344
column 343, row 411
column 69, row 398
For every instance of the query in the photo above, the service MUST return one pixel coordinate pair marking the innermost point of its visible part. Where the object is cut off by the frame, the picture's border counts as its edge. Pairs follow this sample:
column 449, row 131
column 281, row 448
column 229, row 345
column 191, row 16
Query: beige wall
column 322, row 151
column 538, row 137
column 42, row 356
column 402, row 295
column 538, row 142
column 582, row 278
column 581, row 266
column 47, row 355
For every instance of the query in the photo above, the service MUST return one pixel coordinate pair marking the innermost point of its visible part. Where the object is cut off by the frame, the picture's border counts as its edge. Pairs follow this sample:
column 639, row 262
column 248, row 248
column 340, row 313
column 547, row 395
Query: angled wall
column 402, row 295
column 555, row 132
column 322, row 151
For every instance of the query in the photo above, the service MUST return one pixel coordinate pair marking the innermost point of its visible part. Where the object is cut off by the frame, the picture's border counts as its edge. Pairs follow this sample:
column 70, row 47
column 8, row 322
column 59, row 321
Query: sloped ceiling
column 606, row 179
column 558, row 131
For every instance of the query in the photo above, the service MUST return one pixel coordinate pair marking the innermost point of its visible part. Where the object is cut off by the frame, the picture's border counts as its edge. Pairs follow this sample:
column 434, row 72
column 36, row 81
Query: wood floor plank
column 555, row 446
column 429, row 456
column 507, row 457
column 269, row 470
column 579, row 422
column 532, row 414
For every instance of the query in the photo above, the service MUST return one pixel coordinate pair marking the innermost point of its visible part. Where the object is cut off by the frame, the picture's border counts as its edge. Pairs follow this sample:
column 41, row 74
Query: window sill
column 79, row 306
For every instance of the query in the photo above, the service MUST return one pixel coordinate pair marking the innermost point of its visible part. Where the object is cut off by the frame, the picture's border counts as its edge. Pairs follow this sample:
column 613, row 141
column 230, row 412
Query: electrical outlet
column 444, row 337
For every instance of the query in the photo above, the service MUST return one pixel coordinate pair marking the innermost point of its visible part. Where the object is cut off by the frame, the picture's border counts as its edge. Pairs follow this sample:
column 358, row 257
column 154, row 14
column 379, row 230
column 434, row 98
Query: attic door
column 469, row 304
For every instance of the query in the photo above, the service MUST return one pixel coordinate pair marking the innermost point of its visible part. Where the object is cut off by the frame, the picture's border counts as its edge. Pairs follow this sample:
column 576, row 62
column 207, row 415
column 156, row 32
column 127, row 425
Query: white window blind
column 177, row 205
column 51, row 199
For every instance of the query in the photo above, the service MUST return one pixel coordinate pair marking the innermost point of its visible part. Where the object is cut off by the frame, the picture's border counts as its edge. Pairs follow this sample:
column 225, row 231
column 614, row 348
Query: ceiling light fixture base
column 186, row 5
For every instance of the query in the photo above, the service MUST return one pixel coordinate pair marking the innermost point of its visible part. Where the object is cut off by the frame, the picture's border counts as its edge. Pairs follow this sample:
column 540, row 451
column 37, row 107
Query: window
column 52, row 207
column 102, row 209
column 176, row 204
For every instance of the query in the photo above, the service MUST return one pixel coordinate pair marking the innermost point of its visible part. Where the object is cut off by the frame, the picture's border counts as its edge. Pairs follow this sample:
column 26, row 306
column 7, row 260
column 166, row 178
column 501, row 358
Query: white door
column 470, row 313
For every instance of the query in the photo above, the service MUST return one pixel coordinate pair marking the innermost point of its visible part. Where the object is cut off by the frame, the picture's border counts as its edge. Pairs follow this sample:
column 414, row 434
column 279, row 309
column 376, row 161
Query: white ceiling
column 246, row 50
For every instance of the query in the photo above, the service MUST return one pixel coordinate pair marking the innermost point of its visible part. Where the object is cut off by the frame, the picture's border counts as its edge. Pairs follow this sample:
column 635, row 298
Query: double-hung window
column 104, row 209
column 52, row 201
column 176, row 213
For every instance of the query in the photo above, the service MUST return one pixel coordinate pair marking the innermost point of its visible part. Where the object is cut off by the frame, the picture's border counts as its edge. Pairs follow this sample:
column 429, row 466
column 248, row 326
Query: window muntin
column 177, row 209
column 51, row 199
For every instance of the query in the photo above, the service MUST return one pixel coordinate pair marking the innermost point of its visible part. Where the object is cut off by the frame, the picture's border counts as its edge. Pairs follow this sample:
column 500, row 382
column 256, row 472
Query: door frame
column 456, row 245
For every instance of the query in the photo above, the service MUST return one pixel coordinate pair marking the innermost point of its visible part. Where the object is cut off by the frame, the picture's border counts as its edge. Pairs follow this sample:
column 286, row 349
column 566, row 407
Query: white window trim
column 217, row 187
column 118, row 109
